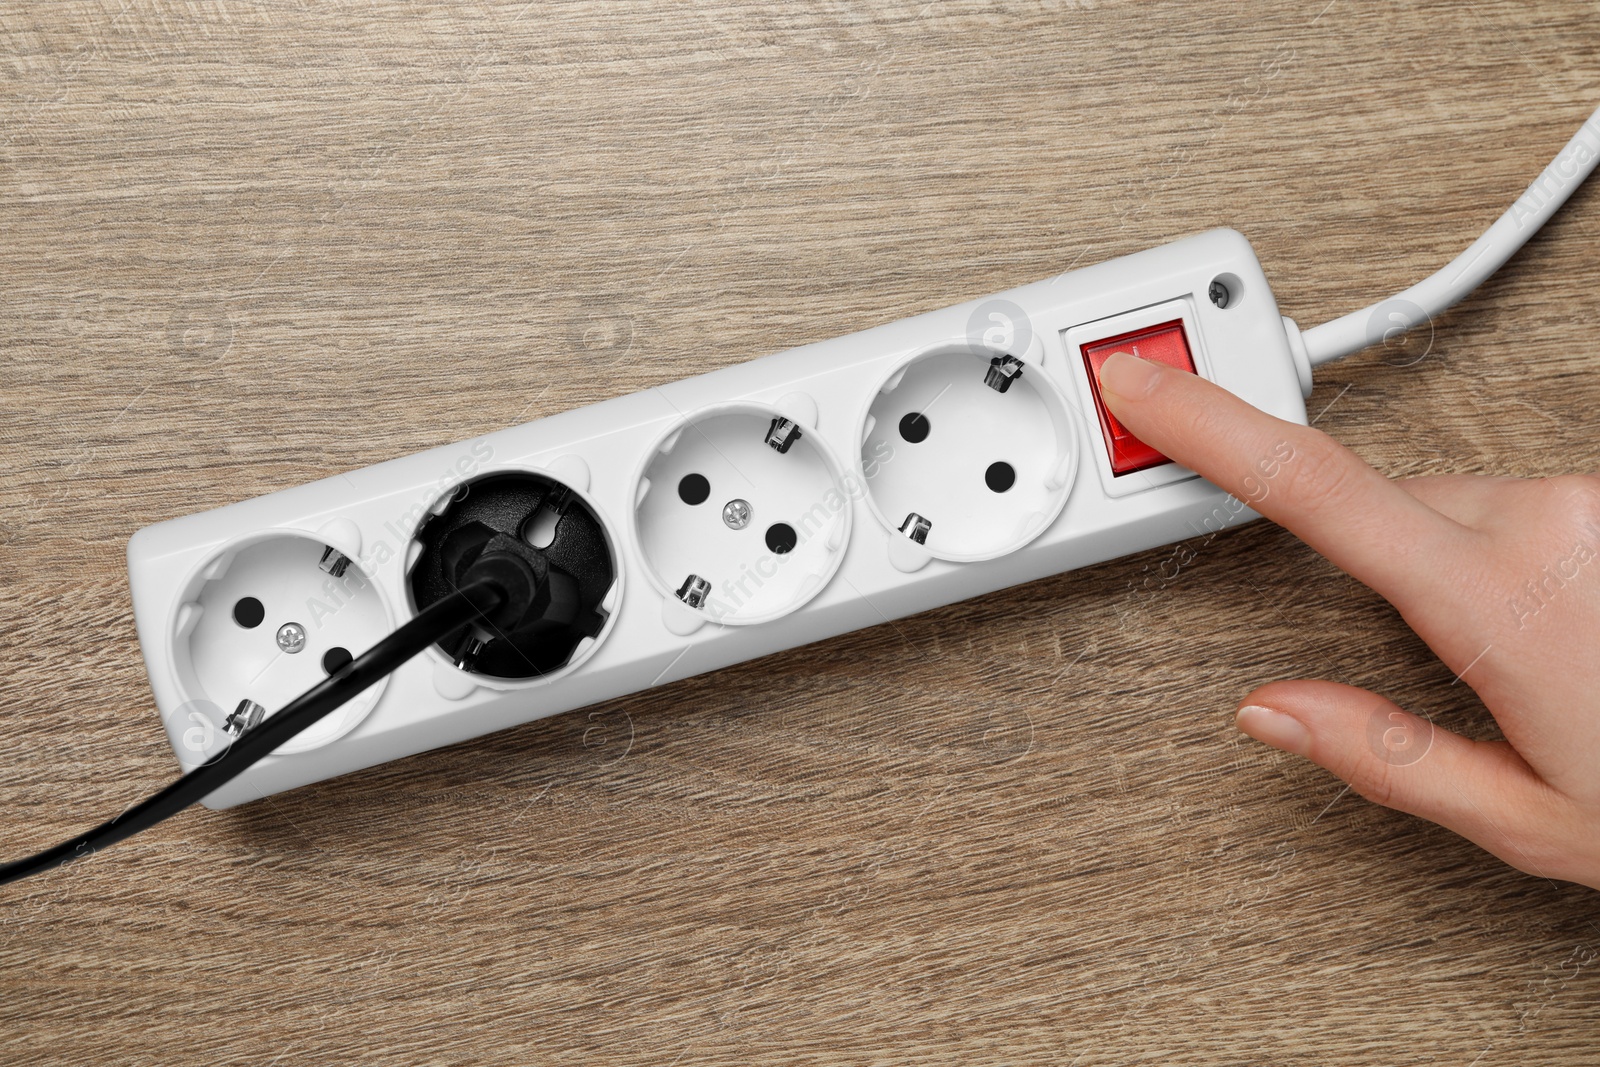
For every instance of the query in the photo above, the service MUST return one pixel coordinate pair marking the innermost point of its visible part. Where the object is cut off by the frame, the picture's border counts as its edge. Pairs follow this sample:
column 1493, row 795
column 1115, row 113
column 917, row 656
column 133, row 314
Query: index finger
column 1295, row 475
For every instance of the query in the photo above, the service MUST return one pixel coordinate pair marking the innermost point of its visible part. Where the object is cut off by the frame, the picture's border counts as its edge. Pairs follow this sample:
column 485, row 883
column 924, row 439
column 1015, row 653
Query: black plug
column 535, row 591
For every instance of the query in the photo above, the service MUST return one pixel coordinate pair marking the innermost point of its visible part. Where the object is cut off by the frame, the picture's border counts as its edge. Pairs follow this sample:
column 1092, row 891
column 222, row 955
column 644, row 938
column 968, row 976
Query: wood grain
column 248, row 245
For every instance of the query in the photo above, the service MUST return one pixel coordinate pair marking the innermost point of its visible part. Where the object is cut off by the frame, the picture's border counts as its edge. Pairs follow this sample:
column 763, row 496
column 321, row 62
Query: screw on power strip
column 292, row 638
column 736, row 514
column 1219, row 293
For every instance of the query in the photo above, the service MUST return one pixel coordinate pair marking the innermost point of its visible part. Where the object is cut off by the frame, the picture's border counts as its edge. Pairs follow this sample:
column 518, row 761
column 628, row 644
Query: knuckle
column 1321, row 476
column 1377, row 781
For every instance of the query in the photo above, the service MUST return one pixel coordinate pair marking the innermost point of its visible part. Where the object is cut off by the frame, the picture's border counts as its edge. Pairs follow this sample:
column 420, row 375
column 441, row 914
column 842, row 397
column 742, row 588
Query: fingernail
column 1274, row 728
column 1128, row 375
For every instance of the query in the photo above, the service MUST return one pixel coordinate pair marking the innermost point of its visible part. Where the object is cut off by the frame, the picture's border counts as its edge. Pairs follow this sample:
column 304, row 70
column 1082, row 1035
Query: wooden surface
column 248, row 245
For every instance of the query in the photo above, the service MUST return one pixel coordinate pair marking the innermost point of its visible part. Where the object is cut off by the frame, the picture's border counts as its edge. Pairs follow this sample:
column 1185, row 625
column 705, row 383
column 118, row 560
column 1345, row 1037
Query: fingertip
column 1128, row 377
column 1275, row 728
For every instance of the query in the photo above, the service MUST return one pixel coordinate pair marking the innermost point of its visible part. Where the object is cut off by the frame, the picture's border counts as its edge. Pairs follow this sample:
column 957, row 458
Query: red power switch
column 1163, row 343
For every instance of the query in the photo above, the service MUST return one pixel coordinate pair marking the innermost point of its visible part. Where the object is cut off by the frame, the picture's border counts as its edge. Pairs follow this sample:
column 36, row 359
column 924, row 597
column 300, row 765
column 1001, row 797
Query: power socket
column 713, row 520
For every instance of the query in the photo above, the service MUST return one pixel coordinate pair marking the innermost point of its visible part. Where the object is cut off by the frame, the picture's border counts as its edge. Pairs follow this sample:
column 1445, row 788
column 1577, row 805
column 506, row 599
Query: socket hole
column 1000, row 476
column 694, row 489
column 781, row 538
column 248, row 612
column 914, row 427
column 336, row 659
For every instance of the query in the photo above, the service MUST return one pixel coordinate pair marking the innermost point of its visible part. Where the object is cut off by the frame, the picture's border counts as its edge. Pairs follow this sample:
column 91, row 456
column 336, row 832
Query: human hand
column 1500, row 576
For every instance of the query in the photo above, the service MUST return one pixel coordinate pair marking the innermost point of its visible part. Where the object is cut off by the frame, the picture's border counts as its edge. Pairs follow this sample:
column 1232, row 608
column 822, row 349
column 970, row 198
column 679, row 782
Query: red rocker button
column 1163, row 343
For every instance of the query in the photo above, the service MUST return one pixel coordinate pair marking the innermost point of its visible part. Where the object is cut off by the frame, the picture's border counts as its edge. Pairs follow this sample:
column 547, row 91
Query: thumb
column 1480, row 789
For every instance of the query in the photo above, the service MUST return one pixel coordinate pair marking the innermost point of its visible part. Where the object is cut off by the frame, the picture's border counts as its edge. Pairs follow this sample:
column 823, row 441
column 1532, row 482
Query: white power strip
column 600, row 552
column 900, row 428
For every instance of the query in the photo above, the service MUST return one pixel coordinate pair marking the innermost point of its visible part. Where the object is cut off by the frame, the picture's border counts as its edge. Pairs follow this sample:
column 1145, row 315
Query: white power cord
column 1444, row 289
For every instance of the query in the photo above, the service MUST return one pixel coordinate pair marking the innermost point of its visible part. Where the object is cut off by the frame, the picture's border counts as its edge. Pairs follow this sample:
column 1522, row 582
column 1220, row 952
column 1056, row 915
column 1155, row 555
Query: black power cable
column 482, row 595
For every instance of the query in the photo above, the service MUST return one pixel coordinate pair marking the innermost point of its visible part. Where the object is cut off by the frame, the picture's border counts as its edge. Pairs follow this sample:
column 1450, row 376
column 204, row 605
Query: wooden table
column 249, row 245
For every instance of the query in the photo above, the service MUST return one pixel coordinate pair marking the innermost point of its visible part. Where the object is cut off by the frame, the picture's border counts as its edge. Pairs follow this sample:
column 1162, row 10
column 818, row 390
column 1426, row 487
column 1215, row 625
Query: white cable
column 1433, row 295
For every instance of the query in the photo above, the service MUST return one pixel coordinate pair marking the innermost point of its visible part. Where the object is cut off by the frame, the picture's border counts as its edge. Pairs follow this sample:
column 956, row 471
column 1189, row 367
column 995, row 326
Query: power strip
column 600, row 552
column 713, row 520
